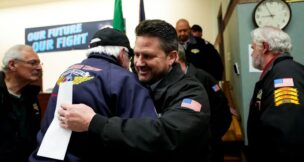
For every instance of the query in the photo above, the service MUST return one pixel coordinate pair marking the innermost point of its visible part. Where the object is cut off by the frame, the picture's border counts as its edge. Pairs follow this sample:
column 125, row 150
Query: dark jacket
column 179, row 134
column 276, row 117
column 220, row 112
column 110, row 90
column 18, row 127
column 203, row 55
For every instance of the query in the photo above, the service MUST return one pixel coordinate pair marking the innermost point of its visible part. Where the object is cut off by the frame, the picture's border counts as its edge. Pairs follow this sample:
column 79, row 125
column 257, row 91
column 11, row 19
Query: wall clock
column 275, row 13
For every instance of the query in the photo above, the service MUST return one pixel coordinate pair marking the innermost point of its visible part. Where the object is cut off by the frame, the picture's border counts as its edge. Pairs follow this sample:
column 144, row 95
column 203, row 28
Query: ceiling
column 16, row 3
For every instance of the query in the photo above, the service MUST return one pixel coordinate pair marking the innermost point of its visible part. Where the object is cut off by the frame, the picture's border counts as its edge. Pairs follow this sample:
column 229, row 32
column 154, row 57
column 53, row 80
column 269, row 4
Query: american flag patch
column 216, row 88
column 191, row 104
column 283, row 82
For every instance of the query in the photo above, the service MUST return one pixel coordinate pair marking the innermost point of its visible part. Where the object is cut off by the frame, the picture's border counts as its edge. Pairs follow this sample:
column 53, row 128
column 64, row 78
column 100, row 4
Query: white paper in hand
column 56, row 138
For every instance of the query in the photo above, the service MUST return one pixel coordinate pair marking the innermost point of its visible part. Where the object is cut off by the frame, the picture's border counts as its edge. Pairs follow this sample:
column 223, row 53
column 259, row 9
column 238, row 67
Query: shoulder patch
column 286, row 95
column 195, row 51
column 191, row 104
column 216, row 88
column 283, row 82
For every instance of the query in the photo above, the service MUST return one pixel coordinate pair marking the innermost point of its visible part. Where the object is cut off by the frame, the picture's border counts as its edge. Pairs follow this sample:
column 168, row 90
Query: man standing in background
column 19, row 108
column 197, row 31
column 275, row 123
column 199, row 52
column 220, row 117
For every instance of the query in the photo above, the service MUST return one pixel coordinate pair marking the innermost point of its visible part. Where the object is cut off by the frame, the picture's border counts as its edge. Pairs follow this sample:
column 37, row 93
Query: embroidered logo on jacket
column 286, row 95
column 191, row 104
column 258, row 99
column 36, row 108
column 195, row 51
column 77, row 74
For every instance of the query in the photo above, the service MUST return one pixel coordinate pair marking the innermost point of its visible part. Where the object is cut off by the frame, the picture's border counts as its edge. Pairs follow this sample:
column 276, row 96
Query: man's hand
column 76, row 117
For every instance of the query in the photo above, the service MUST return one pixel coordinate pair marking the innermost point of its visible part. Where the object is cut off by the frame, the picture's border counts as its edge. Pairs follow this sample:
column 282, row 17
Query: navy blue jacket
column 109, row 89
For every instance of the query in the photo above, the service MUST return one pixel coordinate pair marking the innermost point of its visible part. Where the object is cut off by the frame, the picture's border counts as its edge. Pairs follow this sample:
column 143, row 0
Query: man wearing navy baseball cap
column 101, row 81
column 111, row 37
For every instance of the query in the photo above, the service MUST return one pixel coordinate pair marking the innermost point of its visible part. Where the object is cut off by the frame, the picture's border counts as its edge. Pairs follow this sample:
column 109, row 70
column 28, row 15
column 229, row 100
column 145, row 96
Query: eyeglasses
column 33, row 63
column 126, row 52
column 128, row 55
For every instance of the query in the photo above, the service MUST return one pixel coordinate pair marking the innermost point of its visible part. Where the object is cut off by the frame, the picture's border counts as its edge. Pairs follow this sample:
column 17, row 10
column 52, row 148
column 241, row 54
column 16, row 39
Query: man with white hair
column 276, row 117
column 103, row 82
column 19, row 109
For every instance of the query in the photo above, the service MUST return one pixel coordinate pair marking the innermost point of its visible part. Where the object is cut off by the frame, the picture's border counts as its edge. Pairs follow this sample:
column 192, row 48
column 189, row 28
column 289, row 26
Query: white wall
column 15, row 20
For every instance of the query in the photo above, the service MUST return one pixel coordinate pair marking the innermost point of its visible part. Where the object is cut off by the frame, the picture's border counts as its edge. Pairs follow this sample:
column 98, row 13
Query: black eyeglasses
column 126, row 50
column 34, row 63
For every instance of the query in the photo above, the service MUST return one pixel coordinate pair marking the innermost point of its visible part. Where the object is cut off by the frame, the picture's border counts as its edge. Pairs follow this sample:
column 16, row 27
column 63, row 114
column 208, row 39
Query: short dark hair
column 196, row 28
column 160, row 29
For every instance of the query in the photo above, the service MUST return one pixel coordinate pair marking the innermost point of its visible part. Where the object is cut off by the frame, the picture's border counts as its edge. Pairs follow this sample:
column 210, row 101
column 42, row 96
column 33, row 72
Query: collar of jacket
column 3, row 88
column 191, row 70
column 104, row 56
column 2, row 83
column 191, row 40
column 281, row 57
column 3, row 92
column 173, row 76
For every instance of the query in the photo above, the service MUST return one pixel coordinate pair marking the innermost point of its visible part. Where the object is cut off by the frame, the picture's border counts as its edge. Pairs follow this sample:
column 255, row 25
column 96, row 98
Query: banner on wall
column 63, row 37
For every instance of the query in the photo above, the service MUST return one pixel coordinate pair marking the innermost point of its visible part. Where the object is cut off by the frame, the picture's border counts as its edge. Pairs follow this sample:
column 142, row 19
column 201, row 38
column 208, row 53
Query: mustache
column 37, row 73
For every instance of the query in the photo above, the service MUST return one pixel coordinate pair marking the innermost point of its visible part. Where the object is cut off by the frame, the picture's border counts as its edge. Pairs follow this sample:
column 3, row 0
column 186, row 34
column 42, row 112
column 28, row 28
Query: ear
column 11, row 65
column 172, row 57
column 265, row 47
column 120, row 57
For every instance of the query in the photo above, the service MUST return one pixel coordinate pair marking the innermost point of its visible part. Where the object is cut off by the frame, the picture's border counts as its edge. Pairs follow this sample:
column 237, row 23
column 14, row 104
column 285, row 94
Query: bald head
column 183, row 30
column 182, row 22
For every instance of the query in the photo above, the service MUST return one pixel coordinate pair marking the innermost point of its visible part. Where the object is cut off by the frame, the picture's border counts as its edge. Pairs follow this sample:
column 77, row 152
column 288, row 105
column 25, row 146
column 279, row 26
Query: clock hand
column 270, row 14
column 267, row 16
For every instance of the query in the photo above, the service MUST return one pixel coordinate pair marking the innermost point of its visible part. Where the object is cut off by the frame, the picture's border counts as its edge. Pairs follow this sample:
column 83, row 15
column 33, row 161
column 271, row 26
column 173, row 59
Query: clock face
column 275, row 13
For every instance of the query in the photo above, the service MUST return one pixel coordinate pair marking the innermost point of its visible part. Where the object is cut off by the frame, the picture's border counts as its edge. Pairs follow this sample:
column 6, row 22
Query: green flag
column 118, row 21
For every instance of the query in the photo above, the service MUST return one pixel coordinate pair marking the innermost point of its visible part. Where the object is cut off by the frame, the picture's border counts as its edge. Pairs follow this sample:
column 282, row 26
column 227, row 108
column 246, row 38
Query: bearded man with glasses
column 19, row 108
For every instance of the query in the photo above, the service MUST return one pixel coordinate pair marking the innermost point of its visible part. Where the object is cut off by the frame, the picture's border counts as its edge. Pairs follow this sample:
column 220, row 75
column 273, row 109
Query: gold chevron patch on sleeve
column 286, row 89
column 285, row 101
column 286, row 95
column 277, row 99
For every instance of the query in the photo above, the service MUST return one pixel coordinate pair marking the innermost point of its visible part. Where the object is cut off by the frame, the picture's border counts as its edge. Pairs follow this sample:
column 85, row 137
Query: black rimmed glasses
column 127, row 52
column 33, row 63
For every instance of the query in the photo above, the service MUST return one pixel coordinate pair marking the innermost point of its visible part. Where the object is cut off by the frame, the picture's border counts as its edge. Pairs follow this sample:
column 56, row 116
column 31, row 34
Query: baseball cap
column 110, row 37
column 196, row 27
